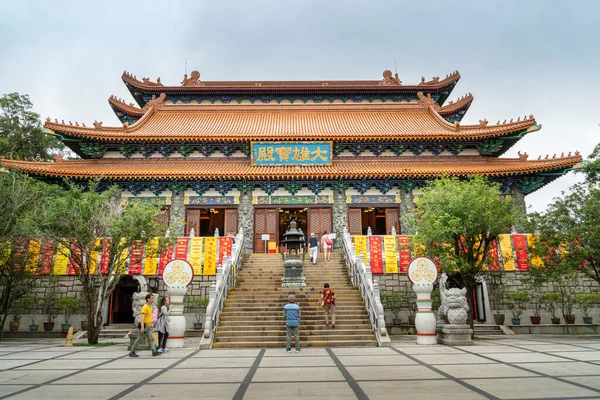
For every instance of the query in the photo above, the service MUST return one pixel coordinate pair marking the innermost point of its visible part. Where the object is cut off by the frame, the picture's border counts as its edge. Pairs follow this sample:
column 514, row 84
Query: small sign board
column 266, row 237
column 332, row 236
column 291, row 153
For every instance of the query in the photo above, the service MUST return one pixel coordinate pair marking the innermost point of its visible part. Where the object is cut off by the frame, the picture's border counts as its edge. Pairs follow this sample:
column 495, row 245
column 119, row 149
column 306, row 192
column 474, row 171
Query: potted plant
column 517, row 302
column 534, row 291
column 585, row 302
column 499, row 293
column 13, row 325
column 549, row 302
column 197, row 305
column 394, row 302
column 31, row 304
column 68, row 306
column 49, row 303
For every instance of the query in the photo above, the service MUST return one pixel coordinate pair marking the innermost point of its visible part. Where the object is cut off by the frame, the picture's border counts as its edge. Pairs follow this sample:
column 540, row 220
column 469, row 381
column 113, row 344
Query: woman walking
column 162, row 324
column 326, row 244
column 328, row 297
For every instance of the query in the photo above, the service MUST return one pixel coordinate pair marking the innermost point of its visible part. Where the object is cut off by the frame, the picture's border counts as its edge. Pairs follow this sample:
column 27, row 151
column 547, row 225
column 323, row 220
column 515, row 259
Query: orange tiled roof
column 450, row 107
column 172, row 123
column 128, row 109
column 204, row 86
column 381, row 167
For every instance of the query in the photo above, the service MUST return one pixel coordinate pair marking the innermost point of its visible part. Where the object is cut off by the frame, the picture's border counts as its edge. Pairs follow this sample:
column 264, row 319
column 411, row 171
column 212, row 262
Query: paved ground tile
column 322, row 390
column 418, row 389
column 299, row 374
column 218, row 362
column 376, row 360
column 60, row 392
column 529, row 388
column 109, row 376
column 563, row 368
column 221, row 375
column 21, row 376
column 484, row 371
column 297, row 360
column 184, row 391
column 387, row 373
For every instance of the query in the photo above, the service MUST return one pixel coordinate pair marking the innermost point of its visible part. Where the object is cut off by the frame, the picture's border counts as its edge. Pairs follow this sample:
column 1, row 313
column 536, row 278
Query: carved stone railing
column 227, row 274
column 360, row 274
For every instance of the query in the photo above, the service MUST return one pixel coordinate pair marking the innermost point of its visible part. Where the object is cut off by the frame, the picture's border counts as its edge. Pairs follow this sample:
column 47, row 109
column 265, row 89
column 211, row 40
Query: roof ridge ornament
column 483, row 122
column 426, row 100
column 97, row 124
column 148, row 82
column 389, row 80
column 156, row 102
column 193, row 80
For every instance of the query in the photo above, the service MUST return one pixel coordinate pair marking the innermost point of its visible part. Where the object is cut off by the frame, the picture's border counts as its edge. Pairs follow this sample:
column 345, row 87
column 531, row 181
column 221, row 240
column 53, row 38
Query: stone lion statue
column 456, row 306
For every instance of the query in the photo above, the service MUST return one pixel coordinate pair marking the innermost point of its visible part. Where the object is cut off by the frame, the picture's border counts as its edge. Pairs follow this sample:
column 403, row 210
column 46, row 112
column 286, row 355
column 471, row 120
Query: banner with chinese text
column 166, row 255
column 520, row 242
column 391, row 257
column 135, row 260
column 196, row 254
column 492, row 257
column 105, row 256
column 291, row 153
column 94, row 256
column 360, row 245
column 210, row 256
column 47, row 257
column 76, row 259
column 225, row 246
column 404, row 251
column 61, row 260
column 33, row 256
column 507, row 252
column 536, row 261
column 151, row 257
column 376, row 257
column 181, row 249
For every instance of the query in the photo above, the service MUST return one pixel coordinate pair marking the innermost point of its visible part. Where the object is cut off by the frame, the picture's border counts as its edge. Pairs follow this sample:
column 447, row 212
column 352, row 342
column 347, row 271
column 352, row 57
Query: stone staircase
column 116, row 331
column 253, row 313
column 486, row 329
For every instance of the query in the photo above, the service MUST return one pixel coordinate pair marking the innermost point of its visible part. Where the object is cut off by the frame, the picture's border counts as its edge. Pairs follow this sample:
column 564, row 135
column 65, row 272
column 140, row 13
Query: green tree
column 78, row 218
column 20, row 198
column 21, row 134
column 458, row 222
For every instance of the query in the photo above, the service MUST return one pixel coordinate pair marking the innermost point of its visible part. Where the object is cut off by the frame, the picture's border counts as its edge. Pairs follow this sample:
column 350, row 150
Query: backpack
column 328, row 241
column 154, row 316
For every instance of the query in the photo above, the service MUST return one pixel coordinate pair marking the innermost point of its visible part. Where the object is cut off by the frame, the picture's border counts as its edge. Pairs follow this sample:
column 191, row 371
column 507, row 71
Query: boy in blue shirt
column 292, row 323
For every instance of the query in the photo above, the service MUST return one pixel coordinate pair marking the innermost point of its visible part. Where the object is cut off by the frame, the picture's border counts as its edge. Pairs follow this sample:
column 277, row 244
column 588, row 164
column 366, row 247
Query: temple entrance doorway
column 381, row 220
column 204, row 221
column 121, row 311
column 287, row 215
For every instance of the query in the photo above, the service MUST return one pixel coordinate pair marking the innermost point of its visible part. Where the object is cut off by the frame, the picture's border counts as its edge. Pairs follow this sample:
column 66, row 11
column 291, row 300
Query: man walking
column 292, row 323
column 313, row 248
column 145, row 327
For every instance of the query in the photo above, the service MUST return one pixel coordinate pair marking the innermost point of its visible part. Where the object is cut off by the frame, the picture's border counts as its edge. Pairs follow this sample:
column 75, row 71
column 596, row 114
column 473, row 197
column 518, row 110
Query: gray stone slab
column 526, row 388
column 322, row 390
column 376, row 360
column 434, row 349
column 563, row 368
column 362, row 351
column 137, row 363
column 185, row 391
column 305, row 351
column 550, row 347
column 299, row 374
column 20, row 376
column 63, row 364
column 523, row 357
column 62, row 392
column 589, row 355
column 484, row 349
column 484, row 371
column 109, row 376
column 105, row 355
column 387, row 373
column 34, row 355
column 228, row 353
column 221, row 362
column 6, row 364
column 418, row 389
column 591, row 381
column 221, row 375
column 8, row 389
column 435, row 359
column 295, row 360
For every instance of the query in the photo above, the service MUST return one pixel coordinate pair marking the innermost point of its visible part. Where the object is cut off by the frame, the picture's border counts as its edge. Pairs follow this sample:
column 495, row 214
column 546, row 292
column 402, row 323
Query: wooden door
column 355, row 221
column 319, row 221
column 392, row 219
column 192, row 220
column 265, row 222
column 231, row 222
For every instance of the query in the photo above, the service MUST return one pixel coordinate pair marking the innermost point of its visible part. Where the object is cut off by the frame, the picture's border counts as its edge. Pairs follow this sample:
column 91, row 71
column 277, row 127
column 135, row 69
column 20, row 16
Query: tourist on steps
column 326, row 244
column 162, row 324
column 328, row 297
column 313, row 248
column 292, row 323
column 145, row 327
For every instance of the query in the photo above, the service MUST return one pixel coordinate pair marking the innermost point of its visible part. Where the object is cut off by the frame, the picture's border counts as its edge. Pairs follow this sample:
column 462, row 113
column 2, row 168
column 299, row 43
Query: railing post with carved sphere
column 379, row 308
column 212, row 299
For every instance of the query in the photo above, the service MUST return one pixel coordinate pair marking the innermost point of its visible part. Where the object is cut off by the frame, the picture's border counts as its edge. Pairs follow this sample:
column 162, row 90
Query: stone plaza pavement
column 517, row 367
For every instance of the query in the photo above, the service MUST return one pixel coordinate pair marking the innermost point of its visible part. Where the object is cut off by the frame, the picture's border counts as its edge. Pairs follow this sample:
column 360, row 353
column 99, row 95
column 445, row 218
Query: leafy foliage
column 21, row 133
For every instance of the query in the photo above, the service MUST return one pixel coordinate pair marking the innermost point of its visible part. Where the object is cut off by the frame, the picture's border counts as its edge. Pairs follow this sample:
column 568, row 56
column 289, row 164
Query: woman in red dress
column 328, row 297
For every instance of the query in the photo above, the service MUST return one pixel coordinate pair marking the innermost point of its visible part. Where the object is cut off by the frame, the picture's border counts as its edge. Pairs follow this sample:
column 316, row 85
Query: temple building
column 328, row 154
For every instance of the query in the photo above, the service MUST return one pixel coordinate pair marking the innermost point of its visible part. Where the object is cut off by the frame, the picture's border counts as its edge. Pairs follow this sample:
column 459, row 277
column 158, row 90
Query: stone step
column 340, row 326
column 306, row 343
column 303, row 337
column 306, row 312
column 276, row 319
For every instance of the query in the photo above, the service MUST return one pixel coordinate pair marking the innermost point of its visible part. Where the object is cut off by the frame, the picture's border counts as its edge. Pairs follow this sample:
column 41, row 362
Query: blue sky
column 516, row 57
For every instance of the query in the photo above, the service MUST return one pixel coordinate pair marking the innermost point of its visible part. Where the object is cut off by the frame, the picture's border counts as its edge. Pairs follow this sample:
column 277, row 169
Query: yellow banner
column 151, row 257
column 418, row 248
column 33, row 256
column 94, row 256
column 536, row 261
column 61, row 260
column 121, row 267
column 210, row 256
column 196, row 254
column 360, row 244
column 391, row 257
column 507, row 252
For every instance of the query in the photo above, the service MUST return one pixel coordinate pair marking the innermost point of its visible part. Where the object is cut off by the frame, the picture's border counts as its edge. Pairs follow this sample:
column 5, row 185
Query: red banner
column 181, row 249
column 135, row 259
column 47, row 257
column 105, row 257
column 376, row 255
column 225, row 247
column 404, row 251
column 75, row 259
column 520, row 243
column 492, row 257
column 165, row 256
column 19, row 255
